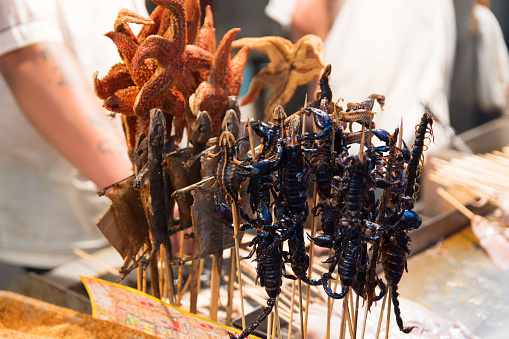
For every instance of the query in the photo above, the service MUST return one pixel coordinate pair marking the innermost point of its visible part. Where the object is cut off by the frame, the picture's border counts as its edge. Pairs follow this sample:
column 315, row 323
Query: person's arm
column 311, row 17
column 52, row 91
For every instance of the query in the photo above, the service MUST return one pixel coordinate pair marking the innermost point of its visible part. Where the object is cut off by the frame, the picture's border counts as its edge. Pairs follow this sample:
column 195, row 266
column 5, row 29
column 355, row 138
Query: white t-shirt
column 46, row 206
column 402, row 49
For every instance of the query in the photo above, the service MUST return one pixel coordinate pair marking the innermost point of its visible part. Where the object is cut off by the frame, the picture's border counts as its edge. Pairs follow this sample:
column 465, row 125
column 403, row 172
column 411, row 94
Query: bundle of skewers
column 482, row 177
column 251, row 176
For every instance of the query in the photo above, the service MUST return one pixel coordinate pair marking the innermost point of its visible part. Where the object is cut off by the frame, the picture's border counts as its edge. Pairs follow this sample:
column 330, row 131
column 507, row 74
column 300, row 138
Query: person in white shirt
column 57, row 145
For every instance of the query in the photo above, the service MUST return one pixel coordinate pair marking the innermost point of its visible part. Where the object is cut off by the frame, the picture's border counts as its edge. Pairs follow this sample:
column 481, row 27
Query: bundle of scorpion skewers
column 251, row 175
column 360, row 229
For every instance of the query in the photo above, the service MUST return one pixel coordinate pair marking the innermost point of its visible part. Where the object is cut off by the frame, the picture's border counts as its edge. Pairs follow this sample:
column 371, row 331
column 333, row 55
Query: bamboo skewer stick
column 290, row 328
column 356, row 316
column 303, row 334
column 379, row 319
column 311, row 254
column 342, row 328
column 269, row 328
column 90, row 258
column 236, row 226
column 451, row 200
column 388, row 313
column 231, row 275
column 144, row 273
column 329, row 307
column 195, row 279
column 278, row 321
column 364, row 321
column 215, row 277
column 348, row 315
column 181, row 267
column 161, row 270
column 138, row 277
column 253, row 154
column 274, row 321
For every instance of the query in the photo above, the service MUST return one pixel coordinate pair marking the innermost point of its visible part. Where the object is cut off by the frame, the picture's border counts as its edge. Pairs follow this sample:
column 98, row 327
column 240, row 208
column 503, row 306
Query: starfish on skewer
column 176, row 61
column 290, row 65
column 225, row 80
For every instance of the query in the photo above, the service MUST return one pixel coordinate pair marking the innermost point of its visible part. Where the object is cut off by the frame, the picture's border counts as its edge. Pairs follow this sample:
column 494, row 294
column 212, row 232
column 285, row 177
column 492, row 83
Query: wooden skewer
column 139, row 270
column 274, row 321
column 311, row 254
column 235, row 212
column 303, row 334
column 181, row 267
column 144, row 273
column 379, row 319
column 348, row 315
column 356, row 316
column 451, row 200
column 290, row 328
column 364, row 322
column 215, row 277
column 278, row 323
column 388, row 313
column 269, row 328
column 84, row 255
column 231, row 275
column 253, row 154
column 342, row 328
column 329, row 307
column 161, row 270
column 186, row 286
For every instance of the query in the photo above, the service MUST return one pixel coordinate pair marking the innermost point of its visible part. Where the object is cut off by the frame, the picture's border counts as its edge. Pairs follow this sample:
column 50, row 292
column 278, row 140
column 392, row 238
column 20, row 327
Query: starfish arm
column 175, row 21
column 126, row 16
column 221, row 70
column 155, row 47
column 207, row 35
column 211, row 98
column 198, row 59
column 262, row 79
column 122, row 101
column 309, row 43
column 148, row 30
column 238, row 65
column 152, row 89
column 308, row 67
column 141, row 75
column 277, row 49
column 193, row 16
column 126, row 46
column 118, row 77
column 279, row 96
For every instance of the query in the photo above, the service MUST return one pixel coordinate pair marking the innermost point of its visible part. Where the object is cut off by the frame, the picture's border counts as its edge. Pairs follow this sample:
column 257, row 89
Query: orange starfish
column 176, row 60
column 225, row 80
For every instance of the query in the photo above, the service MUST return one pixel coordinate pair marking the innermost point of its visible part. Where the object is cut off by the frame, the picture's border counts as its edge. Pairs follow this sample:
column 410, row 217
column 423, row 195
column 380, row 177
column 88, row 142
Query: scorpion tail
column 344, row 290
column 397, row 311
column 270, row 305
column 383, row 290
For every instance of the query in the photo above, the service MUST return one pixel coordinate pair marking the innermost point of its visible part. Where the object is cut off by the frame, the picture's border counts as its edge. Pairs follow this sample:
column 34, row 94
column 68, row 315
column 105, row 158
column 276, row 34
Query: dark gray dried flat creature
column 124, row 224
column 212, row 234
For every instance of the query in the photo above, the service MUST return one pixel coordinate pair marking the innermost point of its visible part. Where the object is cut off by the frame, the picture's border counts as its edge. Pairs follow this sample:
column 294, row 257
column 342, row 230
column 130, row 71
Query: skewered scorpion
column 269, row 270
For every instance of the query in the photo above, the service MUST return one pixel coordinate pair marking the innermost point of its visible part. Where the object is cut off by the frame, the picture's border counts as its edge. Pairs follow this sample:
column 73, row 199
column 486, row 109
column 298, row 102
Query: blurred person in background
column 480, row 79
column 57, row 144
column 401, row 49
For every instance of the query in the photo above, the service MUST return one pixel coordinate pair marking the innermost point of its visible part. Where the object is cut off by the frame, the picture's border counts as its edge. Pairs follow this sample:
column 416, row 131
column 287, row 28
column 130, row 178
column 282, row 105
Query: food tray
column 23, row 317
